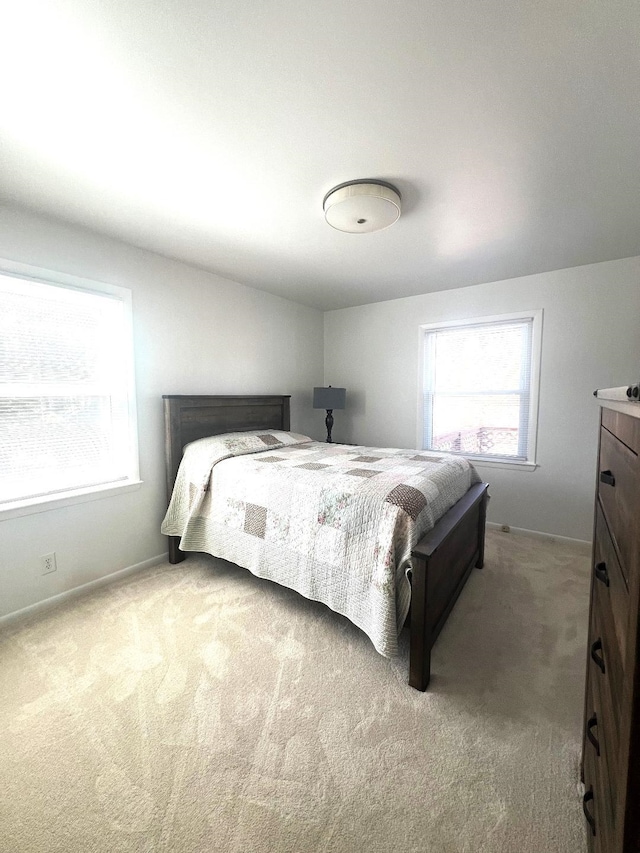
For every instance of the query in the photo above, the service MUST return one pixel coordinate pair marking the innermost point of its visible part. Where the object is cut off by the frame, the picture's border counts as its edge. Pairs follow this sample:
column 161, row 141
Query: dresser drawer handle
column 608, row 478
column 595, row 657
column 588, row 796
column 601, row 573
column 593, row 740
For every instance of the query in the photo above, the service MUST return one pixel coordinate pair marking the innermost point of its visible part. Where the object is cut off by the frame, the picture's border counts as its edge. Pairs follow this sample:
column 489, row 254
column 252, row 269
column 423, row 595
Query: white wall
column 590, row 339
column 195, row 333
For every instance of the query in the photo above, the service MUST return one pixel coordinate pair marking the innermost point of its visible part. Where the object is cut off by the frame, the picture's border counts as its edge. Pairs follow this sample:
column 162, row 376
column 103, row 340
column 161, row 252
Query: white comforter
column 336, row 523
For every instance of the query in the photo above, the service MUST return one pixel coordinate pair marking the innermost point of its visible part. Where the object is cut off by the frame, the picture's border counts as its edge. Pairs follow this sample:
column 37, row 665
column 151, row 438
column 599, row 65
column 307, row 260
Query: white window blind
column 479, row 389
column 67, row 420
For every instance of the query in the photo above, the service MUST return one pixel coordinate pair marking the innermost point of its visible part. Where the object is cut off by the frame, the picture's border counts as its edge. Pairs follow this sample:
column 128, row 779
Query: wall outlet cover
column 47, row 564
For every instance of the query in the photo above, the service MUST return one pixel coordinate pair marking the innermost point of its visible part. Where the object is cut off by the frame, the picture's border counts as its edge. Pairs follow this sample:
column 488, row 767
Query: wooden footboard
column 442, row 562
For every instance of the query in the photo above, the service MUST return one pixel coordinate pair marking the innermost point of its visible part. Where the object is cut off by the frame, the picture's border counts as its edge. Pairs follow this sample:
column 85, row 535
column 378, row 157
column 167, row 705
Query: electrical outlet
column 48, row 564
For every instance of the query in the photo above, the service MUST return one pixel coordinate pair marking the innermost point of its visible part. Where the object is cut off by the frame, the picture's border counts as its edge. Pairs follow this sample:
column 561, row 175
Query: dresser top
column 623, row 399
column 632, row 409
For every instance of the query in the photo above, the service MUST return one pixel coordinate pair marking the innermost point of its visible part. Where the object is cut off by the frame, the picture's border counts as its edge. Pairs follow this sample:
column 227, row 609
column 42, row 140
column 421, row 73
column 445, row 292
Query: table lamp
column 329, row 399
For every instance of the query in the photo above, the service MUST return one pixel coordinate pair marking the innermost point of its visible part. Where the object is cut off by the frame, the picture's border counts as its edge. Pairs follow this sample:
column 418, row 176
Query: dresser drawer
column 596, row 760
column 594, row 805
column 619, row 496
column 604, row 673
column 591, row 801
column 609, row 589
column 623, row 427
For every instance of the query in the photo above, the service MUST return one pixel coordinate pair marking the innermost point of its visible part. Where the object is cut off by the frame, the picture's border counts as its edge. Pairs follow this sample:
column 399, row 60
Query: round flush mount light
column 359, row 207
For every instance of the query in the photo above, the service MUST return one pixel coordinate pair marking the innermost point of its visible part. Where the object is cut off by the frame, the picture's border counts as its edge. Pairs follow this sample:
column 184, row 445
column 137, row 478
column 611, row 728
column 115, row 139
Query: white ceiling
column 210, row 130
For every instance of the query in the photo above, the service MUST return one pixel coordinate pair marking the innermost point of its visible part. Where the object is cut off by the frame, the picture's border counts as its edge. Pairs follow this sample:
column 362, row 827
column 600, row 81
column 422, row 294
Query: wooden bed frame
column 442, row 559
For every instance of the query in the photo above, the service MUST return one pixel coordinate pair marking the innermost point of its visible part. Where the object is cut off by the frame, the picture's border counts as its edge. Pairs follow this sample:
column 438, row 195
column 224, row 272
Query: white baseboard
column 580, row 544
column 77, row 591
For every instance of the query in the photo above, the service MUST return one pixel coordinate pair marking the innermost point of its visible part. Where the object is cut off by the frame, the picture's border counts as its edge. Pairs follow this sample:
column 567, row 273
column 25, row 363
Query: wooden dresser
column 611, row 748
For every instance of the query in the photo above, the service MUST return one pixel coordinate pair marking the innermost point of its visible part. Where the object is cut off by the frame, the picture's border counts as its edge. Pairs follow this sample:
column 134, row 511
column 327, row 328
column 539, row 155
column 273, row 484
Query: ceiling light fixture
column 359, row 207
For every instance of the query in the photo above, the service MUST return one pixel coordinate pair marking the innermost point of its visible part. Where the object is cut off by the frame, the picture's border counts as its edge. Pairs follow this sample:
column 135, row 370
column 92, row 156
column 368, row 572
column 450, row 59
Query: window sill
column 16, row 509
column 491, row 463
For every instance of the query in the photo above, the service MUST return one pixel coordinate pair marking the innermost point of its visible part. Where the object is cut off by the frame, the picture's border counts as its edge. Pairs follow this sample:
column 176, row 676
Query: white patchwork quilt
column 336, row 523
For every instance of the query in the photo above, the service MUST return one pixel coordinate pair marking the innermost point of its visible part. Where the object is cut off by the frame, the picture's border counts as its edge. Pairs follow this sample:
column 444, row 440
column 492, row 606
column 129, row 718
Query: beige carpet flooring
column 196, row 708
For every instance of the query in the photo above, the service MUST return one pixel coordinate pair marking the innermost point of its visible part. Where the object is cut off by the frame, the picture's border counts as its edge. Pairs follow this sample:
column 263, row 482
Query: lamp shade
column 329, row 398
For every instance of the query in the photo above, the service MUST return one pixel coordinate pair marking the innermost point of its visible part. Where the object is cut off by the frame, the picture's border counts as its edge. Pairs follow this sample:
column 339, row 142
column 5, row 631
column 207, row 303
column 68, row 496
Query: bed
column 438, row 563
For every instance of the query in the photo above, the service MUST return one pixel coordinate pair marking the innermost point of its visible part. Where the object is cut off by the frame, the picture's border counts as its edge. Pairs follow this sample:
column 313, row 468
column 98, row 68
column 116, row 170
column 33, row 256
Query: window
column 479, row 387
column 67, row 414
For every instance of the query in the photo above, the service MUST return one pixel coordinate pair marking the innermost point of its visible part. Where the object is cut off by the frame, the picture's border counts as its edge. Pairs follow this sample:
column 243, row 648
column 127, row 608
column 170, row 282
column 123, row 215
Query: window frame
column 132, row 482
column 536, row 317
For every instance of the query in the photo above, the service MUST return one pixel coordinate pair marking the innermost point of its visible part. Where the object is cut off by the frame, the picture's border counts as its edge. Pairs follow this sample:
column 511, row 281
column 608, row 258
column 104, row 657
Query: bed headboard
column 190, row 418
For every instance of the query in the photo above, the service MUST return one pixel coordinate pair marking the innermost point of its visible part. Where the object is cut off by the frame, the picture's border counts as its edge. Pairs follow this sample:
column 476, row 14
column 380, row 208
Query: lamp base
column 329, row 424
